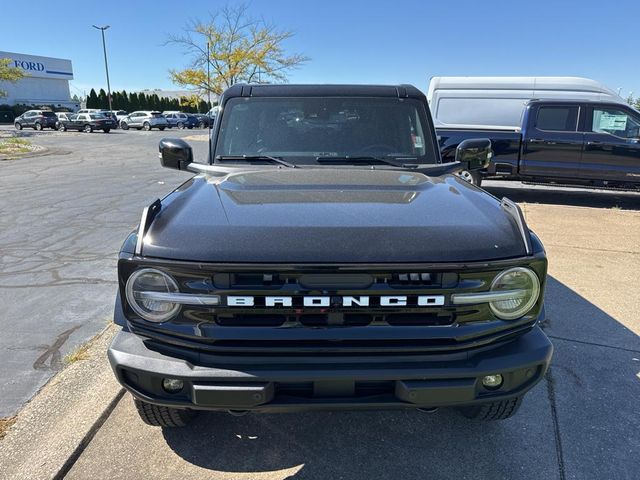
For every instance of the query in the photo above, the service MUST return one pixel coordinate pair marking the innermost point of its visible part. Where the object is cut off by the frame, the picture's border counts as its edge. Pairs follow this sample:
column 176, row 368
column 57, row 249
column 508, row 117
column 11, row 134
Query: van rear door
column 552, row 143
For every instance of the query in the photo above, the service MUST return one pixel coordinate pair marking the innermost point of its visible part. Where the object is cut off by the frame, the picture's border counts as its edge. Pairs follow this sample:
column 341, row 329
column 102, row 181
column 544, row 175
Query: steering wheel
column 378, row 148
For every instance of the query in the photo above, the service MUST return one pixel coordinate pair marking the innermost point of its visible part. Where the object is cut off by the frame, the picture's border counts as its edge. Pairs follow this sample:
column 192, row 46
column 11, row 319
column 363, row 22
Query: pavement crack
column 590, row 249
column 556, row 426
column 84, row 443
column 53, row 351
column 594, row 344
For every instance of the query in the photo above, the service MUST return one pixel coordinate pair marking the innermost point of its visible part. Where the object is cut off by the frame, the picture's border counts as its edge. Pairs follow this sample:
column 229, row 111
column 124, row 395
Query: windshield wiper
column 255, row 158
column 360, row 159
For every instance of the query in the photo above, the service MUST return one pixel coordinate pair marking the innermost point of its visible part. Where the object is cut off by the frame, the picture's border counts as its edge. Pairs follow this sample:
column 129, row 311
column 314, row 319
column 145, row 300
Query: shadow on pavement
column 581, row 422
column 561, row 196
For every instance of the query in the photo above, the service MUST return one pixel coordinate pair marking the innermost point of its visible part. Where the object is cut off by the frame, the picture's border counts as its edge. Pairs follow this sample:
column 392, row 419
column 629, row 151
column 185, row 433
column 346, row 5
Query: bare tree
column 242, row 49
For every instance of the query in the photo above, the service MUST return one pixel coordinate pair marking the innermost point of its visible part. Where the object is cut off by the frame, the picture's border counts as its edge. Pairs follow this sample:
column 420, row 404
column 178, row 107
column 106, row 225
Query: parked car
column 63, row 116
column 87, row 122
column 119, row 114
column 180, row 120
column 329, row 261
column 584, row 143
column 90, row 110
column 144, row 119
column 203, row 120
column 111, row 114
column 37, row 119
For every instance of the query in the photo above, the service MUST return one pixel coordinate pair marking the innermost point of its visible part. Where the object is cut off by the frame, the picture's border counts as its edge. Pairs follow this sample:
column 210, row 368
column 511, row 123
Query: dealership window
column 560, row 118
column 615, row 122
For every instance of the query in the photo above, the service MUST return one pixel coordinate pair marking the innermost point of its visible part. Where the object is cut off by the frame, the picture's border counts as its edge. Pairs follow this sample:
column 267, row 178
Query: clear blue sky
column 375, row 41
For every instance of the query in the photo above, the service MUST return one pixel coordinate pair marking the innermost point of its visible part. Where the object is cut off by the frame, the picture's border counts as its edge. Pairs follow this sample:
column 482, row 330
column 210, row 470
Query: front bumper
column 270, row 387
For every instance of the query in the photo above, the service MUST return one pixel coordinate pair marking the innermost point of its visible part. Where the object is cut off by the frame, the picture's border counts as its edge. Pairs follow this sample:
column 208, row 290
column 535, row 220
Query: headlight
column 145, row 289
column 521, row 289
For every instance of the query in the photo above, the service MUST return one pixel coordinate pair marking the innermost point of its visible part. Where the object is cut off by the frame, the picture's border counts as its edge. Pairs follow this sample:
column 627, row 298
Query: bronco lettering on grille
column 362, row 301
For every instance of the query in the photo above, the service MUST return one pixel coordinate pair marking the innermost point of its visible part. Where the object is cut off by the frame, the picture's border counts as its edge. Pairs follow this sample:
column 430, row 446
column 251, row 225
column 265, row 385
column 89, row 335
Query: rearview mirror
column 175, row 153
column 474, row 153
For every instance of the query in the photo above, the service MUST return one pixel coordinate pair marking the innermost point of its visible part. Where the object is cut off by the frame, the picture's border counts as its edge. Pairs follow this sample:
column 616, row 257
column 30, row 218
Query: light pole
column 106, row 65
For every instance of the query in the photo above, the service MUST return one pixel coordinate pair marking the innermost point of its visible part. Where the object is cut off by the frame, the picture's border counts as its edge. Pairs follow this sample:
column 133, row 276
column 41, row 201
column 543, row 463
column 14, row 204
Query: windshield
column 305, row 129
column 48, row 114
column 97, row 116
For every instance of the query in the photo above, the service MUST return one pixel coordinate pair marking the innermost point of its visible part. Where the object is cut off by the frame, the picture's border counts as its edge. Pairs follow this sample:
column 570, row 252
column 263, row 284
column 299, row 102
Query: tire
column 180, row 125
column 18, row 125
column 493, row 410
column 190, row 127
column 62, row 128
column 161, row 128
column 124, row 126
column 474, row 178
column 165, row 417
column 146, row 126
column 87, row 129
column 106, row 130
column 37, row 126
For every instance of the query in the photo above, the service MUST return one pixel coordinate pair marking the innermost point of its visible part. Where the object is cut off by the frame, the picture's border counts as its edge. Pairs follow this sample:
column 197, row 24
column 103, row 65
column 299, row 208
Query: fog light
column 172, row 385
column 492, row 381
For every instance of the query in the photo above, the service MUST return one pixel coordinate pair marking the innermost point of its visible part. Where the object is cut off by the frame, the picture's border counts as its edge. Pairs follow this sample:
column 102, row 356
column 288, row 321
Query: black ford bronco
column 324, row 257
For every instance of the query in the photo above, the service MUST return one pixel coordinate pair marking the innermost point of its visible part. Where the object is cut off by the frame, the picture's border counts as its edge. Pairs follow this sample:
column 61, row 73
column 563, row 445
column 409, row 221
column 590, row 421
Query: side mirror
column 474, row 153
column 175, row 153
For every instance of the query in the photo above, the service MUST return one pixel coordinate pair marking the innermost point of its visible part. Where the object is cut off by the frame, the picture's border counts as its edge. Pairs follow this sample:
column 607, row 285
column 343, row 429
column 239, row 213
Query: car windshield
column 48, row 114
column 97, row 116
column 309, row 129
column 156, row 114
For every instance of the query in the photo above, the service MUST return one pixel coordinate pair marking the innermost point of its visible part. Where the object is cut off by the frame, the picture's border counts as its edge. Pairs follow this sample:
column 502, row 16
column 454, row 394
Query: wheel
column 190, row 127
column 106, row 130
column 124, row 126
column 201, row 125
column 147, row 126
column 474, row 178
column 87, row 128
column 493, row 410
column 161, row 128
column 138, row 128
column 158, row 416
column 18, row 125
column 38, row 126
column 180, row 125
column 62, row 128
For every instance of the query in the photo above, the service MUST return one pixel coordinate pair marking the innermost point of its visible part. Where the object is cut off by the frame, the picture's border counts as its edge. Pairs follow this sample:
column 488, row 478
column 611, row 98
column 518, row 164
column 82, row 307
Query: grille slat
column 335, row 320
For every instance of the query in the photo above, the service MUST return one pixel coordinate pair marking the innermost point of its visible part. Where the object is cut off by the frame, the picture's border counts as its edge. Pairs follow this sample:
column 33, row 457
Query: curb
column 53, row 429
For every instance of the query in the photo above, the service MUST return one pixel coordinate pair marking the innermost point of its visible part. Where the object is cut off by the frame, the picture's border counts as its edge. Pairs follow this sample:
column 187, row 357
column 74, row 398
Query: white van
column 499, row 101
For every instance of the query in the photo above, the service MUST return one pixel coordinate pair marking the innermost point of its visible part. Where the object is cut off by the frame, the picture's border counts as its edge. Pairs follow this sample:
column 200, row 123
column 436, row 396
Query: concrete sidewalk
column 582, row 422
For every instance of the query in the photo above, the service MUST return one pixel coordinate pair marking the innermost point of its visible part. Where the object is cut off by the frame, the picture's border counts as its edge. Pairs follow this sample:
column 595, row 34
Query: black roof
column 287, row 90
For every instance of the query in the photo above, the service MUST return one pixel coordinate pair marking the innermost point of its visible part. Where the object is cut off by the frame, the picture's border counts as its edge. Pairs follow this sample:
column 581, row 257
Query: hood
column 331, row 215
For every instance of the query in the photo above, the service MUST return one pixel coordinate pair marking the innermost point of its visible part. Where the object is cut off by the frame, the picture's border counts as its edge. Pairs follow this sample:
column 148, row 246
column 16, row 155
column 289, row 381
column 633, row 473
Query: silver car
column 144, row 119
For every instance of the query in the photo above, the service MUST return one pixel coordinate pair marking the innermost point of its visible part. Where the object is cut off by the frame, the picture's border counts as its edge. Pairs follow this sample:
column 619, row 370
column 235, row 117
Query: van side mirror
column 175, row 153
column 474, row 153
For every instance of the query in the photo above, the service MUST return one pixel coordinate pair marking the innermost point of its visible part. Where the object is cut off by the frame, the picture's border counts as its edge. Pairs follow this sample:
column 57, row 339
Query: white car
column 119, row 114
column 144, row 119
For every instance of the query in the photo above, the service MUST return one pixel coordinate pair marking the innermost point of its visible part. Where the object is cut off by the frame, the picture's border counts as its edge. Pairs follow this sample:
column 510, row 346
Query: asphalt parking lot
column 64, row 217
column 66, row 213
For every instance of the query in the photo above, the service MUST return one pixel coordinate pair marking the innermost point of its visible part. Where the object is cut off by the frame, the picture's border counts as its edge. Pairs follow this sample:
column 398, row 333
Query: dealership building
column 46, row 81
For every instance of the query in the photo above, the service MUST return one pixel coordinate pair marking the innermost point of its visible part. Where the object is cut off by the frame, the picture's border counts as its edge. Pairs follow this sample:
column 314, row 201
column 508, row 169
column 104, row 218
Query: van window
column 505, row 112
column 559, row 118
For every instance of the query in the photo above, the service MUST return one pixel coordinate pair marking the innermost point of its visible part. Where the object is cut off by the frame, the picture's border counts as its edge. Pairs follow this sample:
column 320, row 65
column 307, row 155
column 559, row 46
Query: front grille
column 335, row 320
column 335, row 327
